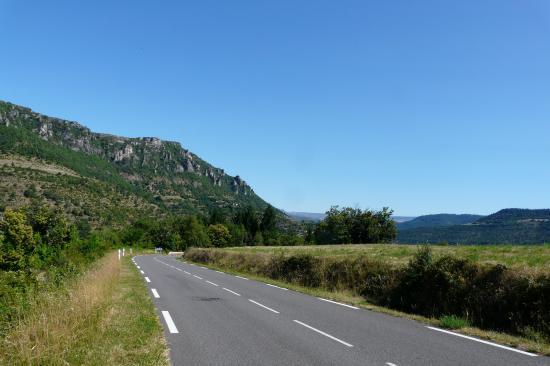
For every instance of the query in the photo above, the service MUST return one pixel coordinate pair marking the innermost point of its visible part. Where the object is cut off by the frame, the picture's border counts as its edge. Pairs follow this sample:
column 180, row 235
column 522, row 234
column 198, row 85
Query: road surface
column 212, row 318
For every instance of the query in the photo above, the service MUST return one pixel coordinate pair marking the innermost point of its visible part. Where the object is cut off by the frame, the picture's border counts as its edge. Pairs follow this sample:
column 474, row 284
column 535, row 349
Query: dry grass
column 82, row 325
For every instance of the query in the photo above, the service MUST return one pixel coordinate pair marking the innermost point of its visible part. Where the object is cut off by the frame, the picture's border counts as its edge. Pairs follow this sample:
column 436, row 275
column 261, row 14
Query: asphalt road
column 213, row 318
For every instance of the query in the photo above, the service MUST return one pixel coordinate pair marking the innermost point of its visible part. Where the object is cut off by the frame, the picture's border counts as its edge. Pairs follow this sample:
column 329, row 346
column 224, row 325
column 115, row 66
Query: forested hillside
column 508, row 226
column 438, row 220
column 100, row 179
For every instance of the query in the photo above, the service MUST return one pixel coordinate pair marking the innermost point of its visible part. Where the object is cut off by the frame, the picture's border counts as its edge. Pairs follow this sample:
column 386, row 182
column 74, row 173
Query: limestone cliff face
column 138, row 159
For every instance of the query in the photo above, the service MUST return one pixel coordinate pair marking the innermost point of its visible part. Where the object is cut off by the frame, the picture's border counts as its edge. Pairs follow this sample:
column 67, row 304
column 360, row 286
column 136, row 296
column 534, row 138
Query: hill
column 306, row 216
column 107, row 179
column 438, row 220
column 508, row 226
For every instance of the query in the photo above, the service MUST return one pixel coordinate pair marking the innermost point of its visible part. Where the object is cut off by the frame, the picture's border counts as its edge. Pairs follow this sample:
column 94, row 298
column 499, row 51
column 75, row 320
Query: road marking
column 169, row 322
column 219, row 272
column 339, row 303
column 200, row 278
column 186, row 272
column 323, row 333
column 390, row 364
column 482, row 341
column 233, row 292
column 142, row 272
column 242, row 278
column 138, row 267
column 282, row 288
column 147, row 279
column 212, row 283
column 155, row 293
column 178, row 269
column 263, row 306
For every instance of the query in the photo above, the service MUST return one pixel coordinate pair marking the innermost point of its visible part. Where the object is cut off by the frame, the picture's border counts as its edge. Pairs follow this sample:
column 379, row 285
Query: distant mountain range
column 438, row 220
column 508, row 226
column 105, row 179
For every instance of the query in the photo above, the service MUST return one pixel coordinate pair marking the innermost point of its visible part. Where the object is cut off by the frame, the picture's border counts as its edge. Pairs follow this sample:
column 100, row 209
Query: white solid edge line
column 147, row 279
column 263, row 306
column 212, row 283
column 323, row 333
column 339, row 303
column 200, row 278
column 242, row 278
column 219, row 272
column 482, row 341
column 155, row 293
column 169, row 322
column 281, row 288
column 233, row 292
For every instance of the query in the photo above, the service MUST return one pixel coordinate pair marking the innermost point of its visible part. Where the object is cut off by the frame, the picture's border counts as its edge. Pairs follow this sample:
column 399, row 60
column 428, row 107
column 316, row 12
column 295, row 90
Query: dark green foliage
column 39, row 248
column 354, row 226
column 491, row 297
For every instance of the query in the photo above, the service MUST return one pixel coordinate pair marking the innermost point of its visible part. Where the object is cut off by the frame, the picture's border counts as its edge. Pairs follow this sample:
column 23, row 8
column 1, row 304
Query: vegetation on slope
column 165, row 178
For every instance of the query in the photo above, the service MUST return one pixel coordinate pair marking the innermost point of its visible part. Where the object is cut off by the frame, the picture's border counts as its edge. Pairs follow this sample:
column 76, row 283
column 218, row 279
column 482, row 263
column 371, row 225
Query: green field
column 521, row 257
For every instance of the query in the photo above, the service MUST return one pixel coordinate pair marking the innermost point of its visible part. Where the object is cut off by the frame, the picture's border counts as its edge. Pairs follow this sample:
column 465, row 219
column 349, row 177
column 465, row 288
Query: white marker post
column 119, row 254
column 131, row 251
column 123, row 252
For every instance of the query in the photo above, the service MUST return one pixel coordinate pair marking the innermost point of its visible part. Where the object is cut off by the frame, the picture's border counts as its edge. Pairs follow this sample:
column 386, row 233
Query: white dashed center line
column 263, row 306
column 233, row 292
column 212, row 283
column 323, row 333
column 155, row 293
column 200, row 278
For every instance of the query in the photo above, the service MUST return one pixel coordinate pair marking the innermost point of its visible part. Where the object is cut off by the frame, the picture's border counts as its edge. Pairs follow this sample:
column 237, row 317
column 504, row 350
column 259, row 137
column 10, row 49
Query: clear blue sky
column 423, row 106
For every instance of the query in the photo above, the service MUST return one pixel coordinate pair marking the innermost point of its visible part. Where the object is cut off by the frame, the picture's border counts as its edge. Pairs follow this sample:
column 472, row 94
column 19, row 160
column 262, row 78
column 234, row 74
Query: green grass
column 521, row 257
column 453, row 322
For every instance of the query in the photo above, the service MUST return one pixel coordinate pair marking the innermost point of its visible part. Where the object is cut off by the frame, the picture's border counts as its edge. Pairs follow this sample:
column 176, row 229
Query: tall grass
column 56, row 319
column 78, row 325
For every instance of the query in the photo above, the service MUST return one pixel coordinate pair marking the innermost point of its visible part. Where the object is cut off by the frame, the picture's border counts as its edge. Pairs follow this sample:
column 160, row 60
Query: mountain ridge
column 162, row 173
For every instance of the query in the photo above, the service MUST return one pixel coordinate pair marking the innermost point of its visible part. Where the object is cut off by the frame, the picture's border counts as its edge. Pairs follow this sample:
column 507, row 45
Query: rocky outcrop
column 134, row 156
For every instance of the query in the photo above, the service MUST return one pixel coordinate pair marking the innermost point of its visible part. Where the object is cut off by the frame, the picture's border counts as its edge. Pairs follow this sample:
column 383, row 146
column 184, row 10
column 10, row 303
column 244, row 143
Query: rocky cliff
column 171, row 176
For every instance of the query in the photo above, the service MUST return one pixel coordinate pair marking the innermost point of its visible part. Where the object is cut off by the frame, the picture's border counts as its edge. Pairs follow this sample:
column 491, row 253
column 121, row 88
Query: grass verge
column 533, row 344
column 104, row 317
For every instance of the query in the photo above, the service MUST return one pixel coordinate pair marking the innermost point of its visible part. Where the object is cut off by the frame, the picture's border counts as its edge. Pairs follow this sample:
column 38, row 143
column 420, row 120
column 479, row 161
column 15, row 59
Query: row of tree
column 248, row 227
column 219, row 229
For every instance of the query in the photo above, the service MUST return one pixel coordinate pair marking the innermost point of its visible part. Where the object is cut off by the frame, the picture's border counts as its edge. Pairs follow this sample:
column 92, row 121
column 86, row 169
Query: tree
column 219, row 235
column 269, row 219
column 349, row 225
